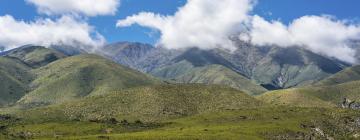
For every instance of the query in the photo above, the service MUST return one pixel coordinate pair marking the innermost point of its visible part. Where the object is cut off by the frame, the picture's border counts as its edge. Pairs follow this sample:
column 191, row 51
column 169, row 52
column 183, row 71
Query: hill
column 151, row 104
column 347, row 75
column 246, row 123
column 270, row 66
column 79, row 76
column 15, row 77
column 35, row 56
column 185, row 72
column 322, row 96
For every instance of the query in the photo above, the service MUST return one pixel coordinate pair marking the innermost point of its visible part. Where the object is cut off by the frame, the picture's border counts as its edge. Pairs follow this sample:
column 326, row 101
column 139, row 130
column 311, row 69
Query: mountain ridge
column 269, row 66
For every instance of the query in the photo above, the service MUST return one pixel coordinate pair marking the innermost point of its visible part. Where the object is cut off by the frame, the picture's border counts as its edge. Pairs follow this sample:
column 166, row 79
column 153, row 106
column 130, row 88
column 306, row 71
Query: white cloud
column 65, row 30
column 205, row 24
column 320, row 34
column 83, row 7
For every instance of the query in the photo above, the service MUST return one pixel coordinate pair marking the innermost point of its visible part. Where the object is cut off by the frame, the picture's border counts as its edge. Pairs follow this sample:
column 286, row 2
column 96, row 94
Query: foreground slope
column 80, row 76
column 150, row 104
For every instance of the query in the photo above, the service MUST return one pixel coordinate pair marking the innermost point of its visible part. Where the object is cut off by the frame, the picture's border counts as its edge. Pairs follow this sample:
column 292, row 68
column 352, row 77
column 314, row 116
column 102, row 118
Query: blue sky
column 284, row 10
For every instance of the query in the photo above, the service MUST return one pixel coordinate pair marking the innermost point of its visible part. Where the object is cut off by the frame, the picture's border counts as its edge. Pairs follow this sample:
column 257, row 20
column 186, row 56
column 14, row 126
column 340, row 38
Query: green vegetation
column 14, row 77
column 150, row 104
column 293, row 67
column 35, row 56
column 347, row 75
column 185, row 72
column 253, row 124
column 48, row 96
column 81, row 76
column 327, row 93
column 325, row 96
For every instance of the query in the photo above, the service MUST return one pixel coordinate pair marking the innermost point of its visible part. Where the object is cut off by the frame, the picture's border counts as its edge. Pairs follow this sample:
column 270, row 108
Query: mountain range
column 266, row 67
column 137, row 91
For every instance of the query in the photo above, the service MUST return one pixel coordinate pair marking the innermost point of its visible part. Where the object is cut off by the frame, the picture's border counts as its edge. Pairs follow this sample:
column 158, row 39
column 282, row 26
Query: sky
column 183, row 23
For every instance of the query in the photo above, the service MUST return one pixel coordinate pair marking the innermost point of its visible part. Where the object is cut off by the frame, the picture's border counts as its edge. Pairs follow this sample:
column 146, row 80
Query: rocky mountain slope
column 268, row 66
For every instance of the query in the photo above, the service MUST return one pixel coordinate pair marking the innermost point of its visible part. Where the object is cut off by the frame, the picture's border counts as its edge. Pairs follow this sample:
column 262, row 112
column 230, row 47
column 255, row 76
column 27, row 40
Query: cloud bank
column 207, row 24
column 320, row 34
column 200, row 23
column 76, row 7
column 65, row 30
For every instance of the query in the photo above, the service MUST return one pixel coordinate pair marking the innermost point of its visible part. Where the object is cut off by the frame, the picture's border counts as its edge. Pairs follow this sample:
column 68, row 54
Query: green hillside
column 15, row 77
column 185, row 72
column 35, row 56
column 80, row 76
column 323, row 96
column 347, row 75
column 150, row 104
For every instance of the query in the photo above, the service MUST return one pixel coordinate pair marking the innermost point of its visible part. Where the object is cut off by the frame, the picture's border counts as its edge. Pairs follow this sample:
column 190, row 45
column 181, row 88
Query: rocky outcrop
column 349, row 104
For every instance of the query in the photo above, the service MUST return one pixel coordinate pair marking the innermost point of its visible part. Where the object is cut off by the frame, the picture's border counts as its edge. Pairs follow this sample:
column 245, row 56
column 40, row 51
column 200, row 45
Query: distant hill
column 347, row 75
column 35, row 56
column 151, row 103
column 185, row 72
column 81, row 76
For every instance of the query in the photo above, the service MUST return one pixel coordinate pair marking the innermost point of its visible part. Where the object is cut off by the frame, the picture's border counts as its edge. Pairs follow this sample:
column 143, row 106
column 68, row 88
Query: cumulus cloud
column 82, row 7
column 205, row 24
column 65, row 30
column 208, row 24
column 320, row 34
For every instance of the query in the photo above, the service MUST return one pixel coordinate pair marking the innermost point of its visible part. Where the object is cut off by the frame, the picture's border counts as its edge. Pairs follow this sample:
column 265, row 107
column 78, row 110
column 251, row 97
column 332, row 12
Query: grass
column 254, row 124
column 148, row 104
